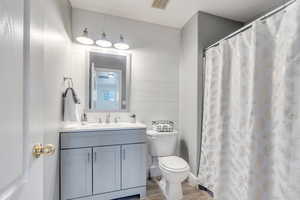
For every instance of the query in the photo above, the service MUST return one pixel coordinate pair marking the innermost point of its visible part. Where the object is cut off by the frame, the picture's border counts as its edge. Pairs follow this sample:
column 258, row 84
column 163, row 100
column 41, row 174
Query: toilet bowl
column 174, row 171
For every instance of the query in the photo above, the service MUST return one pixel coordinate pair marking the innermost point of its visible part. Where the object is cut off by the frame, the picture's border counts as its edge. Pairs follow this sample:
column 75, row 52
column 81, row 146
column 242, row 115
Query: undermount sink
column 101, row 126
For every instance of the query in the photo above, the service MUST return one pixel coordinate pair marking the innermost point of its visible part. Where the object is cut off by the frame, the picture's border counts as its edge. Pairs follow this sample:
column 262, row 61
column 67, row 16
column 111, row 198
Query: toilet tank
column 162, row 143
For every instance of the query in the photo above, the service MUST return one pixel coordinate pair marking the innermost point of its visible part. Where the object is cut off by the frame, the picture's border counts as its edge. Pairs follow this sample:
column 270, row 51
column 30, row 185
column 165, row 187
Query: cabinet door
column 133, row 165
column 106, row 169
column 76, row 173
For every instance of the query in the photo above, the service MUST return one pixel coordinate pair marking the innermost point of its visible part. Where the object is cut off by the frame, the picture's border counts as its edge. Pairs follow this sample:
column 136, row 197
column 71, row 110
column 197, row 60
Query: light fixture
column 103, row 42
column 84, row 38
column 121, row 45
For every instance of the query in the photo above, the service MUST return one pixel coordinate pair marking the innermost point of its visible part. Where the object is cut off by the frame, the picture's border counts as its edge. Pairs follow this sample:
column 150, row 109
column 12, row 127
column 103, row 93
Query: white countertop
column 78, row 127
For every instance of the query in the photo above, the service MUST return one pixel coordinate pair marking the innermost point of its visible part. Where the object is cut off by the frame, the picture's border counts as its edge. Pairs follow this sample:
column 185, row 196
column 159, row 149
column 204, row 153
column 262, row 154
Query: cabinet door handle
column 124, row 154
column 89, row 156
column 95, row 156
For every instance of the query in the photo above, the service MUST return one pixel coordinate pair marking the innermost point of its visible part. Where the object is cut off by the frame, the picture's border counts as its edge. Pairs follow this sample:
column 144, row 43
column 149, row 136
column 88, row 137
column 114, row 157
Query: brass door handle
column 39, row 149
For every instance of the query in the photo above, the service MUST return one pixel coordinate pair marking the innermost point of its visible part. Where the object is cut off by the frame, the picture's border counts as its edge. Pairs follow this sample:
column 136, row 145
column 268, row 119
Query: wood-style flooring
column 189, row 193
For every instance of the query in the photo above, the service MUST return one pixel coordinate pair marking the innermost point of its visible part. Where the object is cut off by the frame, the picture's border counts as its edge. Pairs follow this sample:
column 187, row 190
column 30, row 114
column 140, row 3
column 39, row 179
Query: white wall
column 198, row 33
column 155, row 62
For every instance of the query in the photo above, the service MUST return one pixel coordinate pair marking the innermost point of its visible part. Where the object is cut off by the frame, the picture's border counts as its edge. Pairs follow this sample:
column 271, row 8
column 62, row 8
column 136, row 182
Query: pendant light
column 84, row 38
column 121, row 45
column 103, row 42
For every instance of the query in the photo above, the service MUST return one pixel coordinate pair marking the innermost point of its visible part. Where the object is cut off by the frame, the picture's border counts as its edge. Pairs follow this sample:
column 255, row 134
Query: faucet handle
column 117, row 119
column 100, row 120
column 107, row 118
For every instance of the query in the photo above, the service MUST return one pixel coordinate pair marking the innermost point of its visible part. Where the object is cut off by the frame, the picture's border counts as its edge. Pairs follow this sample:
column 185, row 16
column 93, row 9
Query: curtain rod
column 248, row 26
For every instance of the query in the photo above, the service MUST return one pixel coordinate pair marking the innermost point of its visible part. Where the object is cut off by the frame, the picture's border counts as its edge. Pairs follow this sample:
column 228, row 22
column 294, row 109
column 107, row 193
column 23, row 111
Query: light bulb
column 84, row 38
column 121, row 45
column 103, row 42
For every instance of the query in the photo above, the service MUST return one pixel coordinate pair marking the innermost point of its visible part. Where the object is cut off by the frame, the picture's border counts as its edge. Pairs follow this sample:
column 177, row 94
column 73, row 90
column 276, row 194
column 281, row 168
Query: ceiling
column 178, row 12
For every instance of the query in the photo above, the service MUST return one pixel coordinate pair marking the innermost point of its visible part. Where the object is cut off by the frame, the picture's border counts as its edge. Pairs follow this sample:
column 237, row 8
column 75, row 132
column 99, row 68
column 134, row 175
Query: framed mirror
column 109, row 81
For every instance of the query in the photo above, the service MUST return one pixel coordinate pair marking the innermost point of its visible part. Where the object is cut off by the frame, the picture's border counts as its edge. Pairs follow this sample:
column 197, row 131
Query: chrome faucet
column 107, row 118
column 84, row 118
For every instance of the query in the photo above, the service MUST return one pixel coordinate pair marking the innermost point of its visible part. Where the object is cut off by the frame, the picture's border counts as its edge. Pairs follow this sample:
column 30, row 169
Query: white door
column 76, row 173
column 133, row 165
column 21, row 118
column 106, row 169
column 11, row 88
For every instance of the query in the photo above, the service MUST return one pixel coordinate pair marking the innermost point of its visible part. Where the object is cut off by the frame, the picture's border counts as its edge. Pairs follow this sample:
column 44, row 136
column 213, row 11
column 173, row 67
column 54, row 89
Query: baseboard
column 192, row 179
column 200, row 187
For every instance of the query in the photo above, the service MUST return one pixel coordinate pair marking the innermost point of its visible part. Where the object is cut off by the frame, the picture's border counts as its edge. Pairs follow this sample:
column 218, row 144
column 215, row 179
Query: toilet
column 174, row 170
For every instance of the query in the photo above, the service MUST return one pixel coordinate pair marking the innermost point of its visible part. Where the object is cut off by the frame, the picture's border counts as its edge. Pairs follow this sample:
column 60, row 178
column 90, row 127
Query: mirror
column 109, row 81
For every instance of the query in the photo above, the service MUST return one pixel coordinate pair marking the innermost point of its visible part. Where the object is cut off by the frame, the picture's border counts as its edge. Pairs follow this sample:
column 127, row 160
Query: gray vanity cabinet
column 133, row 165
column 102, row 165
column 76, row 173
column 106, row 169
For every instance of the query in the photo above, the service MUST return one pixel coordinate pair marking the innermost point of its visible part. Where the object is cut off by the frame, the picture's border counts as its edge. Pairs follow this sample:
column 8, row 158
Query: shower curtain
column 251, row 123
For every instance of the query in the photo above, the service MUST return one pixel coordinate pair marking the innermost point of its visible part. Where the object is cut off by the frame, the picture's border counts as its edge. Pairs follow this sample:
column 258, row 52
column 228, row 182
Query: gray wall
column 155, row 63
column 188, row 92
column 198, row 33
column 213, row 28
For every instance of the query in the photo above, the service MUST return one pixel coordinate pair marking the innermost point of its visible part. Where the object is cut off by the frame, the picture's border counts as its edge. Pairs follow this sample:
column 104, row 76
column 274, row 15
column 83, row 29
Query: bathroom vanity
column 101, row 162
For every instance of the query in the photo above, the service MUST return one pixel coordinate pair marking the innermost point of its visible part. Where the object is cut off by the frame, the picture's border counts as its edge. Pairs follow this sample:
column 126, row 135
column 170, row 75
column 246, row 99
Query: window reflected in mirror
column 109, row 82
column 108, row 86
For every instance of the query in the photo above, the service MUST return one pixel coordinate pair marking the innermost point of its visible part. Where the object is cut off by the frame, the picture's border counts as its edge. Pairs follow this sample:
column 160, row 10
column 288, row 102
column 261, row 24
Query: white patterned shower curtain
column 251, row 125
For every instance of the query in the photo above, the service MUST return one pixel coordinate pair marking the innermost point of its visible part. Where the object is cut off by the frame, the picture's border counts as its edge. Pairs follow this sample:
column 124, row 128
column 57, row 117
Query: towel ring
column 70, row 81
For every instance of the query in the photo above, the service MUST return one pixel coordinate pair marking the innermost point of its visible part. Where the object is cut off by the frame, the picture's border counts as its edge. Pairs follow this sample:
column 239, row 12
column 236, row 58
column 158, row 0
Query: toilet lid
column 173, row 163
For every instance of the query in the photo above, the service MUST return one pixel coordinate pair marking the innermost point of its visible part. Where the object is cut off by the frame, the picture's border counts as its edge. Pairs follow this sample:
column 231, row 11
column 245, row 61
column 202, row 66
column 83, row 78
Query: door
column 76, row 173
column 11, row 87
column 133, row 165
column 107, row 169
column 21, row 104
column 20, row 119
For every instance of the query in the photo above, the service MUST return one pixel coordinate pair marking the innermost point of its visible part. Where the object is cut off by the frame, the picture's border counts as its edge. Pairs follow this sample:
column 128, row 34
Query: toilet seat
column 173, row 164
